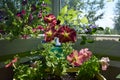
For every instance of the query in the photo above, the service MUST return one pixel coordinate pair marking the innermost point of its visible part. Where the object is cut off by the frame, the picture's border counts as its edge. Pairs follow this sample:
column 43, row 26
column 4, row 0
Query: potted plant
column 20, row 25
column 58, row 60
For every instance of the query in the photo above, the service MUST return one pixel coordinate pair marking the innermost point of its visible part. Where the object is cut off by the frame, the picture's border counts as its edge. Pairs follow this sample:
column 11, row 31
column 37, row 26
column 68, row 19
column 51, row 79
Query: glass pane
column 99, row 12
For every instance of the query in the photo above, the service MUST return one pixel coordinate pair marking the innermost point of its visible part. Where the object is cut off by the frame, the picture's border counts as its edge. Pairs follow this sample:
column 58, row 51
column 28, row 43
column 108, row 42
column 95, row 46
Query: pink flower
column 20, row 14
column 30, row 18
column 104, row 62
column 75, row 58
column 23, row 12
column 39, row 28
column 86, row 53
column 11, row 63
column 78, row 58
column 40, row 14
column 66, row 34
column 25, row 36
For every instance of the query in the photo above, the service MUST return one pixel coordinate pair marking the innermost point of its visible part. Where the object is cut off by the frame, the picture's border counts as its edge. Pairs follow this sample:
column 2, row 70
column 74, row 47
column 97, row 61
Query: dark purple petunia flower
column 33, row 7
column 24, row 2
column 43, row 4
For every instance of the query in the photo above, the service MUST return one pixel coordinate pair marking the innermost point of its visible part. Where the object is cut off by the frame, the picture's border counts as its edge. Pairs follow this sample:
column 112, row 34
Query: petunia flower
column 49, row 34
column 78, row 58
column 20, row 14
column 66, row 34
column 25, row 36
column 86, row 53
column 40, row 14
column 24, row 2
column 49, row 18
column 30, row 18
column 11, row 63
column 75, row 58
column 39, row 28
column 104, row 62
column 33, row 8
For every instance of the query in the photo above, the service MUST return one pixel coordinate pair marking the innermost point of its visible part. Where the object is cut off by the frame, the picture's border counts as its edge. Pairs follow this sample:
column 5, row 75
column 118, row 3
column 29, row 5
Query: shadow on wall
column 104, row 47
column 18, row 46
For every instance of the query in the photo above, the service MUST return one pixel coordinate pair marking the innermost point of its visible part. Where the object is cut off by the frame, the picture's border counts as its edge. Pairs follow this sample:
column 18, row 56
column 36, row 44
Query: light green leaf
column 118, row 76
column 64, row 10
column 84, row 20
column 61, row 19
column 72, row 11
column 75, row 22
column 47, row 1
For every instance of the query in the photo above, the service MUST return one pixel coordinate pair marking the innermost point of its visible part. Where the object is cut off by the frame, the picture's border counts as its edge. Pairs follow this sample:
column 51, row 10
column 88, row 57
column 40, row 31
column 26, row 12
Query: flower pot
column 71, row 76
column 6, row 73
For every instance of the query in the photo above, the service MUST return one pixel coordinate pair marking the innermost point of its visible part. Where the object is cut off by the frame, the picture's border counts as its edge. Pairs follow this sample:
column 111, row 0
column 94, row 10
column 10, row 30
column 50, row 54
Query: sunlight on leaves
column 64, row 10
column 84, row 20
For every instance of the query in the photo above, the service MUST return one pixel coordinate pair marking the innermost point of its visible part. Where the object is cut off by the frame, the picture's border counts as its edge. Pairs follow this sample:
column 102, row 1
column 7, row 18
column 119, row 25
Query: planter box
column 19, row 45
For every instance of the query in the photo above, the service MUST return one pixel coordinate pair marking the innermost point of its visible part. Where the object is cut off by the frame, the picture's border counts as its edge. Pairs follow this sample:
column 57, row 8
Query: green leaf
column 72, row 11
column 100, row 28
column 90, row 41
column 64, row 10
column 47, row 1
column 118, row 76
column 82, row 42
column 84, row 37
column 61, row 19
column 84, row 20
column 119, row 39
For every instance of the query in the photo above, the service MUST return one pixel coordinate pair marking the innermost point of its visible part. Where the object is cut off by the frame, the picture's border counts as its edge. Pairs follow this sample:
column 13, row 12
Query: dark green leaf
column 82, row 42
column 100, row 28
column 84, row 38
column 119, row 39
column 90, row 41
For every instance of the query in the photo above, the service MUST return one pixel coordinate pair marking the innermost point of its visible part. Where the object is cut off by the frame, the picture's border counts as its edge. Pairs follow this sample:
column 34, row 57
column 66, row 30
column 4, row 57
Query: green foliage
column 84, row 20
column 89, row 7
column 70, row 17
column 16, row 25
column 88, row 70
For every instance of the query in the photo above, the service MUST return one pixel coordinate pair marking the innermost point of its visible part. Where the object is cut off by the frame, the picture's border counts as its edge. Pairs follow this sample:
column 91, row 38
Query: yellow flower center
column 49, row 33
column 66, row 34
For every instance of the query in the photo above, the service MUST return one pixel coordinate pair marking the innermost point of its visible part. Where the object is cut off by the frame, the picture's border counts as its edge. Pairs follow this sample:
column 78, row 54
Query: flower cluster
column 77, row 58
column 24, row 20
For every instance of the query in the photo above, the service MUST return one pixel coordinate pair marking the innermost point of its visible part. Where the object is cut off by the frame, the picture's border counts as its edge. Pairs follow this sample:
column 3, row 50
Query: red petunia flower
column 20, row 14
column 11, row 63
column 66, row 34
column 50, row 18
column 49, row 34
